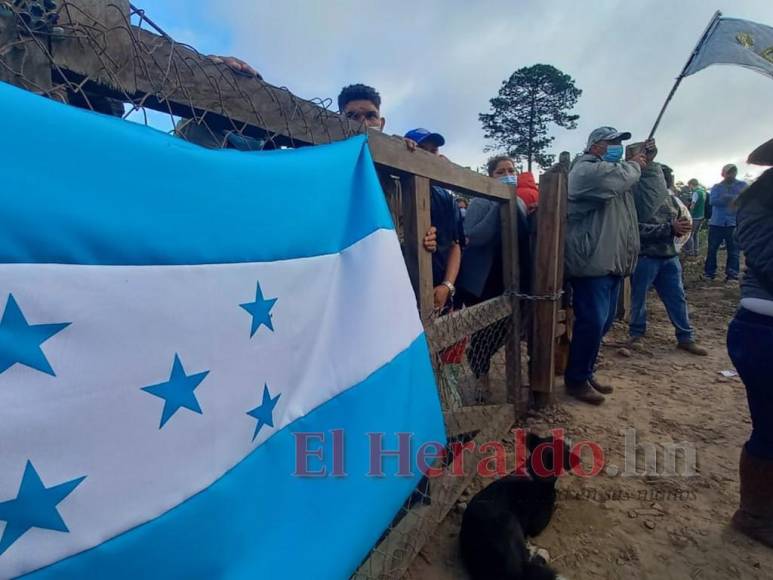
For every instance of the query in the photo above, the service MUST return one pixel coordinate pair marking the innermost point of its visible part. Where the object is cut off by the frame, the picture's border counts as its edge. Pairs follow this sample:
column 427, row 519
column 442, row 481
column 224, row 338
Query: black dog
column 500, row 518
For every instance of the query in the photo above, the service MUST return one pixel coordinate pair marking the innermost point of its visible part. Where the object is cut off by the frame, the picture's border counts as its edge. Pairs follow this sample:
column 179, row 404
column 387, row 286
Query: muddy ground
column 643, row 526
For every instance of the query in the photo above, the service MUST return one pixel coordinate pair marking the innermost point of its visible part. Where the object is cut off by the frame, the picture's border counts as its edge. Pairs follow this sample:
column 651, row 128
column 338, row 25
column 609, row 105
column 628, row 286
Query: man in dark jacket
column 602, row 243
column 448, row 225
column 659, row 266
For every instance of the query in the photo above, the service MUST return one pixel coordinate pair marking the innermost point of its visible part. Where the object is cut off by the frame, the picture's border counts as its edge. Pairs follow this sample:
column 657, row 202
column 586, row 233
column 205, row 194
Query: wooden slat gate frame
column 548, row 322
column 113, row 58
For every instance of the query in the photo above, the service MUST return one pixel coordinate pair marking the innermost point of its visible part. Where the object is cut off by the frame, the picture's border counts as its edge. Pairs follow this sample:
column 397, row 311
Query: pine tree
column 528, row 102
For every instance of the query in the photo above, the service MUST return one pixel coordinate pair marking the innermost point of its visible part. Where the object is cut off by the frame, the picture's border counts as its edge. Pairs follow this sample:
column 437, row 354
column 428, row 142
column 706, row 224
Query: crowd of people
column 625, row 219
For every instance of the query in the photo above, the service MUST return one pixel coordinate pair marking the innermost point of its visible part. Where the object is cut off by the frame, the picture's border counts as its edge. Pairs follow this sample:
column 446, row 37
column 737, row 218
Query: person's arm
column 236, row 64
column 430, row 240
column 601, row 181
column 722, row 196
column 443, row 292
column 651, row 192
column 482, row 222
column 655, row 232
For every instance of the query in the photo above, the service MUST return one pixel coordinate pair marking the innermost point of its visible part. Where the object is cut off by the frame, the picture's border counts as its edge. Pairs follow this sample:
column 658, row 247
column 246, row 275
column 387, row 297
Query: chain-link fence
column 112, row 58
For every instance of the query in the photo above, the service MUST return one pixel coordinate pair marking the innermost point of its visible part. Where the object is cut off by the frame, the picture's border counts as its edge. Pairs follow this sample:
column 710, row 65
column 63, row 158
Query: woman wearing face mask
column 481, row 274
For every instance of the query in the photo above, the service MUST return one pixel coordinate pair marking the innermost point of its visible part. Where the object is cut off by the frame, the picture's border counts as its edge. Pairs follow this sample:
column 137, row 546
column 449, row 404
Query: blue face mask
column 614, row 153
column 509, row 179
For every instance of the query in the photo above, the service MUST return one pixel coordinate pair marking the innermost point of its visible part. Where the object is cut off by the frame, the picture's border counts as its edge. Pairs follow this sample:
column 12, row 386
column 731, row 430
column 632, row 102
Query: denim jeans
column 595, row 309
column 750, row 344
column 665, row 274
column 718, row 234
column 693, row 246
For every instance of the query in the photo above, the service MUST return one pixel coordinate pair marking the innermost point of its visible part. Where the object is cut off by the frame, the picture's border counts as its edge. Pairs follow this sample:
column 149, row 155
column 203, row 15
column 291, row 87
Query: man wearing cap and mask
column 722, row 224
column 607, row 197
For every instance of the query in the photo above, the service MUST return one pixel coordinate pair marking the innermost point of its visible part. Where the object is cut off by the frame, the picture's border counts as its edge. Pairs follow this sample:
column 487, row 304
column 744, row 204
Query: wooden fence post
column 511, row 274
column 624, row 301
column 548, row 281
column 416, row 223
column 565, row 313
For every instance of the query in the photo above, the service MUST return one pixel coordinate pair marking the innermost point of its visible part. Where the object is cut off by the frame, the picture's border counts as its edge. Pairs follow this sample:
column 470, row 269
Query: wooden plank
column 24, row 59
column 626, row 299
column 471, row 419
column 393, row 556
column 565, row 314
column 416, row 223
column 546, row 280
column 172, row 78
column 451, row 328
column 563, row 205
column 393, row 192
column 391, row 152
column 511, row 273
column 564, row 345
column 98, row 43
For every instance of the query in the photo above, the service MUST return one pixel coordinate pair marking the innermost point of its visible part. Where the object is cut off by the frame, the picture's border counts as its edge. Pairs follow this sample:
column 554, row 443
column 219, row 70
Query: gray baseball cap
column 606, row 134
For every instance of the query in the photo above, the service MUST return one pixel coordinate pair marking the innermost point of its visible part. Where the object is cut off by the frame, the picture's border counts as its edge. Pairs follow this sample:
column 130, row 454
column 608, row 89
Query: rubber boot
column 755, row 516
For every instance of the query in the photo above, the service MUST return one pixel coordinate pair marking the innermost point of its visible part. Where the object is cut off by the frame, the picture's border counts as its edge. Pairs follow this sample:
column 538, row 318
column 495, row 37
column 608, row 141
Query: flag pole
column 704, row 36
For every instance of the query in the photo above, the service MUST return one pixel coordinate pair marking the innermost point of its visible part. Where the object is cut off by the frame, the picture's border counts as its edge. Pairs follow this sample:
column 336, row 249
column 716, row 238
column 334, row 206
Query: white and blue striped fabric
column 172, row 319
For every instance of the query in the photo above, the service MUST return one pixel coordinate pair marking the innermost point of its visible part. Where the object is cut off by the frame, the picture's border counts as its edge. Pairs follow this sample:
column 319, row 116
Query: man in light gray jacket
column 607, row 197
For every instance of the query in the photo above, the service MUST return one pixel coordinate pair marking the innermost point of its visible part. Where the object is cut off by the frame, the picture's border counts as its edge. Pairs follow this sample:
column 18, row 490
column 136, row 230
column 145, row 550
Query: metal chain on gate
column 555, row 297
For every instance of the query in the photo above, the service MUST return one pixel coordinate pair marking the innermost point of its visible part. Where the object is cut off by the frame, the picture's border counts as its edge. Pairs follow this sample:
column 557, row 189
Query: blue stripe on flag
column 83, row 188
column 259, row 521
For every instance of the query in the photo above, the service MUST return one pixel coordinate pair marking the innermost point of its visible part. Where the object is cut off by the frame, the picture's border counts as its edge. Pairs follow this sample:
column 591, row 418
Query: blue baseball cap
column 420, row 135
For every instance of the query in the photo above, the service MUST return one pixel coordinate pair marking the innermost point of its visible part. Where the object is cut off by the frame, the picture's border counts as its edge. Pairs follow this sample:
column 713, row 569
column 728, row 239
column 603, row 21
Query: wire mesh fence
column 110, row 57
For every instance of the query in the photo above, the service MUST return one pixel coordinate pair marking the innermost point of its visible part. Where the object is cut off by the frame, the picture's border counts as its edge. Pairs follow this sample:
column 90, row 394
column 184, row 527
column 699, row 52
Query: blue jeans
column 595, row 309
column 750, row 344
column 693, row 246
column 666, row 275
column 718, row 234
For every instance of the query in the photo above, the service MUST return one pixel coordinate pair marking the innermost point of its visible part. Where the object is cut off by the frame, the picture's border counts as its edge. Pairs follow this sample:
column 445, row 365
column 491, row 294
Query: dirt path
column 648, row 527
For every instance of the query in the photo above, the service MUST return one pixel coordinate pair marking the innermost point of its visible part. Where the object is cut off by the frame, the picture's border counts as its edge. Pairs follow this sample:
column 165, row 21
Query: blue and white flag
column 186, row 337
column 735, row 41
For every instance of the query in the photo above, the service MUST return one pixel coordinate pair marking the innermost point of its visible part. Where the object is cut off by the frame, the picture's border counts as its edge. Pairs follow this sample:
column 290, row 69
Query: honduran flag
column 185, row 336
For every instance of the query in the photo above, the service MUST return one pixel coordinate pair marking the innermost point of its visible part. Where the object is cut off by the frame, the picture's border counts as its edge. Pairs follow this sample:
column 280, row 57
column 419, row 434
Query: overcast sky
column 438, row 62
